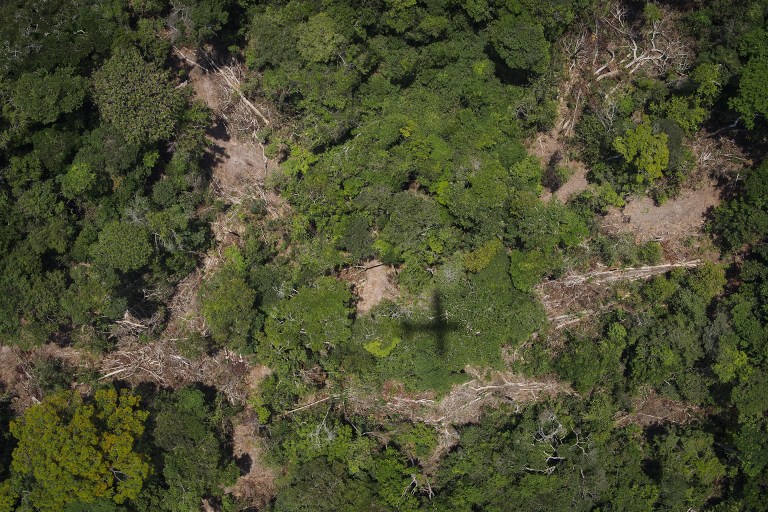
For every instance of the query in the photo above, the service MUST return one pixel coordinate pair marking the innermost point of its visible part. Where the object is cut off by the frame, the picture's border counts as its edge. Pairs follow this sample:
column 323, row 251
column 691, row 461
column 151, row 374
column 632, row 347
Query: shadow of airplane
column 438, row 323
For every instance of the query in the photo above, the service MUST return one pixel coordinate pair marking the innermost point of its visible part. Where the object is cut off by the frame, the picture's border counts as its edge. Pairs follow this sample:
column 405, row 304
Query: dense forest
column 383, row 255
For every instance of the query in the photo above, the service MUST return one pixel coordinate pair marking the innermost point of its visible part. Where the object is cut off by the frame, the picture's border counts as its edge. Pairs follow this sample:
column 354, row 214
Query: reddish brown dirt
column 257, row 485
column 575, row 184
column 239, row 167
column 372, row 283
column 238, row 173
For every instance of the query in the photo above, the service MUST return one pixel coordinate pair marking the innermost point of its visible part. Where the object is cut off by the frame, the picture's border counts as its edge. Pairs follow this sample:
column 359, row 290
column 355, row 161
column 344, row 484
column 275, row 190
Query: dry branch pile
column 615, row 46
column 131, row 328
column 159, row 362
column 653, row 409
column 572, row 298
column 240, row 113
column 719, row 157
column 17, row 370
column 620, row 46
column 462, row 405
column 622, row 274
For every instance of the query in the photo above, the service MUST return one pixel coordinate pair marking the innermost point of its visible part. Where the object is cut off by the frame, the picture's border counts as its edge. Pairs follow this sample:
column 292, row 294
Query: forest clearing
column 395, row 255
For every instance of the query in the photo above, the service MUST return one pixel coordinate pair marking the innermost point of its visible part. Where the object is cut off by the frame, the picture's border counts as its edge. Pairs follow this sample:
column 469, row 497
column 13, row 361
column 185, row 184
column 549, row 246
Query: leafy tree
column 526, row 268
column 72, row 450
column 228, row 308
column 90, row 296
column 745, row 219
column 520, row 42
column 326, row 487
column 318, row 40
column 79, row 180
column 199, row 20
column 537, row 459
column 538, row 226
column 752, row 443
column 751, row 100
column 314, row 321
column 49, row 374
column 136, row 97
column 589, row 363
column 645, row 151
column 690, row 469
column 416, row 228
column 122, row 246
column 685, row 112
column 358, row 472
column 44, row 35
column 41, row 97
column 481, row 257
column 196, row 464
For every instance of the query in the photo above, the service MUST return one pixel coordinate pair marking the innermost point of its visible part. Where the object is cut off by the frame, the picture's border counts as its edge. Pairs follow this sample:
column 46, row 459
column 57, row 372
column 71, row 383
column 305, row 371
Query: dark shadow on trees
column 438, row 324
column 244, row 463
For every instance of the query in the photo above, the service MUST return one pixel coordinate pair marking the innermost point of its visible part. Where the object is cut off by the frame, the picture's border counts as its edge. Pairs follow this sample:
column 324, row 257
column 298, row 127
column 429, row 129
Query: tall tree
column 72, row 450
column 136, row 97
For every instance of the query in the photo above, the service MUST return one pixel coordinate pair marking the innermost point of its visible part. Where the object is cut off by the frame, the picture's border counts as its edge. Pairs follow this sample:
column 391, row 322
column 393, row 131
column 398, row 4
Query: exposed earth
column 676, row 219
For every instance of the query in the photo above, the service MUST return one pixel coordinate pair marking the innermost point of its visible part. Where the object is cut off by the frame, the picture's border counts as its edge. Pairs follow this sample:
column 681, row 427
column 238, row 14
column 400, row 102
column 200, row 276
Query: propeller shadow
column 438, row 324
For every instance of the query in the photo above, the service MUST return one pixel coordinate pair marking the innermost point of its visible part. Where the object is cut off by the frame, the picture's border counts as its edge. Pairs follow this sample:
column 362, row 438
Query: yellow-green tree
column 646, row 151
column 72, row 450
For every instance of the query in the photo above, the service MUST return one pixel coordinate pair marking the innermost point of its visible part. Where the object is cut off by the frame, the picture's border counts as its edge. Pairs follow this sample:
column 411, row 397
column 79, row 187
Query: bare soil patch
column 372, row 283
column 552, row 153
column 575, row 184
column 675, row 220
column 238, row 170
column 238, row 164
column 257, row 485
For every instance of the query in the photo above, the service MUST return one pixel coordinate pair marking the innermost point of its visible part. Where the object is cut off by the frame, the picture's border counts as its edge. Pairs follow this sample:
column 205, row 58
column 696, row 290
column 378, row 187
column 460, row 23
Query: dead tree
column 633, row 46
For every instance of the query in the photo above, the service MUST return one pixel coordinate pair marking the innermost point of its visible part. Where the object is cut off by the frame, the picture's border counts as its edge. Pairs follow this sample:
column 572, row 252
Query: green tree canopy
column 122, row 246
column 136, row 97
column 645, row 150
column 79, row 179
column 41, row 97
column 195, row 461
column 229, row 307
column 74, row 450
column 520, row 42
column 318, row 40
column 317, row 319
column 752, row 99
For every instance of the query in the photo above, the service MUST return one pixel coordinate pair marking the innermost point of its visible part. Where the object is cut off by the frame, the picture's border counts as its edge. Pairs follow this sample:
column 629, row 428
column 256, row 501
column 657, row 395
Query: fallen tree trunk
column 229, row 79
